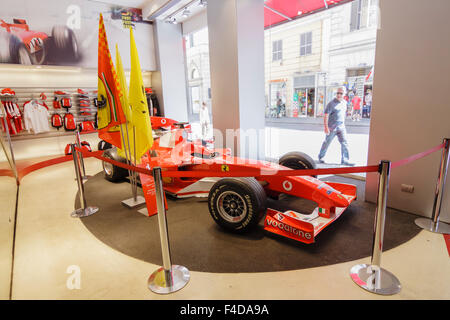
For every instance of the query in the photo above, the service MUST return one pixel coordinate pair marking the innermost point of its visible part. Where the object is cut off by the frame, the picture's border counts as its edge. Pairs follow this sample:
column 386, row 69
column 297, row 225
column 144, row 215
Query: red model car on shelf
column 238, row 204
column 19, row 44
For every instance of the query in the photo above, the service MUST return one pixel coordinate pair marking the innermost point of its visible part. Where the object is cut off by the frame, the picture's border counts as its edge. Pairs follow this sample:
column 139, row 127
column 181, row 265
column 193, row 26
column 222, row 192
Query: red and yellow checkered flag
column 110, row 114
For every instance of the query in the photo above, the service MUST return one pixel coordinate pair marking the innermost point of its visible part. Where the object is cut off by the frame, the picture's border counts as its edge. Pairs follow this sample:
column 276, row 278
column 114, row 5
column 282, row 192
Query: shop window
column 191, row 40
column 277, row 50
column 195, row 74
column 306, row 102
column 195, row 99
column 278, row 99
column 305, row 43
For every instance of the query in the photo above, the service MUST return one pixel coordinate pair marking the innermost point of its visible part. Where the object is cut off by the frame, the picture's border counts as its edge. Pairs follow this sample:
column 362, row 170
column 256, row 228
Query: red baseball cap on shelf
column 8, row 92
column 60, row 92
column 148, row 90
column 81, row 91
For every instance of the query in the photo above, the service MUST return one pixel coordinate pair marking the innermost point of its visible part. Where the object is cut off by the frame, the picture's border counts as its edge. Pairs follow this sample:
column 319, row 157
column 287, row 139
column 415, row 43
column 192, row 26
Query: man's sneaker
column 321, row 161
column 346, row 163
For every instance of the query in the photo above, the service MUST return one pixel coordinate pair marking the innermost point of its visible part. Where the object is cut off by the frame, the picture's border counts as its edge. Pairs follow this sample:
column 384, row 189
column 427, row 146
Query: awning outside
column 279, row 11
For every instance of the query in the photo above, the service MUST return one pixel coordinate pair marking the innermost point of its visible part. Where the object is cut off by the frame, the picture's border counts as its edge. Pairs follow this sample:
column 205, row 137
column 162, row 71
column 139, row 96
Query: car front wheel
column 237, row 204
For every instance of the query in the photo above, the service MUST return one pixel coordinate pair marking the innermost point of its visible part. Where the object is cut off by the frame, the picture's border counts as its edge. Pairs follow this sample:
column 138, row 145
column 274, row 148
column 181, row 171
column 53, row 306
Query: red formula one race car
column 238, row 204
column 19, row 44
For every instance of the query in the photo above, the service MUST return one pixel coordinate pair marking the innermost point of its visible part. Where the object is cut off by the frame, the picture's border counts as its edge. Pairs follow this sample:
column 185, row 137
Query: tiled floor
column 50, row 245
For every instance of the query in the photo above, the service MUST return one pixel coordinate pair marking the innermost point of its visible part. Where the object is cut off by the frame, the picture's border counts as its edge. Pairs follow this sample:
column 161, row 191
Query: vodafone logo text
column 288, row 228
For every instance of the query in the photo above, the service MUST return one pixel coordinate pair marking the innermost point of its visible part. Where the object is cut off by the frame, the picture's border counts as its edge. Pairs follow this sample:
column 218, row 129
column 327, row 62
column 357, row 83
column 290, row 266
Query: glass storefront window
column 278, row 99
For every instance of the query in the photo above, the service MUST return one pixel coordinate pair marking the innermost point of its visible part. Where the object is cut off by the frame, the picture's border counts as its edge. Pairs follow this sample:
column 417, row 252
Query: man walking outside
column 334, row 124
column 204, row 121
column 356, row 102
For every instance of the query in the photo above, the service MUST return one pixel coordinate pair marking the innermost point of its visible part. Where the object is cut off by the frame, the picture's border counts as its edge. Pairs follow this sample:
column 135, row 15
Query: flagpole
column 124, row 146
column 134, row 147
column 135, row 200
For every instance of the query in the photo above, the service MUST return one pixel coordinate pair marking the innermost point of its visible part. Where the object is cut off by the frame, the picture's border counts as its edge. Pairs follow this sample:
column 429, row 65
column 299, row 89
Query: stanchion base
column 374, row 279
column 144, row 211
column 429, row 225
column 80, row 213
column 85, row 178
column 133, row 203
column 157, row 281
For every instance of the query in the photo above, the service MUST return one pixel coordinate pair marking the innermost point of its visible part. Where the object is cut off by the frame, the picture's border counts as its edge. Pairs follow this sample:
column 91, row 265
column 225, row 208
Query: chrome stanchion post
column 433, row 224
column 84, row 211
column 169, row 278
column 80, row 156
column 372, row 277
column 135, row 200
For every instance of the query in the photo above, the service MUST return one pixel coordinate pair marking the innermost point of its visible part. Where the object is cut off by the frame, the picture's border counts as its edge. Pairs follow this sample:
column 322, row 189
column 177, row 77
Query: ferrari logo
column 225, row 168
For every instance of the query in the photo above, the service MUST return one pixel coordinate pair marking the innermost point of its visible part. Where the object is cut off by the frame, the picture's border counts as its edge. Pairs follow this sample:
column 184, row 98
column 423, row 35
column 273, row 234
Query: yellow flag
column 138, row 101
column 126, row 128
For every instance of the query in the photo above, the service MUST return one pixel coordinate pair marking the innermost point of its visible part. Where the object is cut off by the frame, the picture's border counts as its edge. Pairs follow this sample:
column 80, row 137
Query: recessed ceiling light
column 299, row 12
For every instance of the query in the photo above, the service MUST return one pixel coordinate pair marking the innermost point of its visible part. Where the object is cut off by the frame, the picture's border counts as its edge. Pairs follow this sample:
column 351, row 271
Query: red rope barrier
column 239, row 173
column 236, row 173
column 263, row 171
column 39, row 165
column 416, row 156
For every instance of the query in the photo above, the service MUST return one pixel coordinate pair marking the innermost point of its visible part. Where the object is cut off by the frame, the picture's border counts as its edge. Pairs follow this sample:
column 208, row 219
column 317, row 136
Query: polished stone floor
column 57, row 257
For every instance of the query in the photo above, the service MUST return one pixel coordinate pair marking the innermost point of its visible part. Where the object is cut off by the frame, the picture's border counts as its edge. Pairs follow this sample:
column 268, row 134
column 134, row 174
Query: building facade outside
column 308, row 58
column 198, row 72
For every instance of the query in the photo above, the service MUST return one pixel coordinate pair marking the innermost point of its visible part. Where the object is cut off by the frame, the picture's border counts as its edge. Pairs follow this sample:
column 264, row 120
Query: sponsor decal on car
column 287, row 185
column 285, row 227
column 35, row 44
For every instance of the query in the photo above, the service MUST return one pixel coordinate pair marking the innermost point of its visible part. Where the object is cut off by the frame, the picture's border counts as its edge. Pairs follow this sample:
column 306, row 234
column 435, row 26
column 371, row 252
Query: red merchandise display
column 86, row 126
column 69, row 122
column 57, row 121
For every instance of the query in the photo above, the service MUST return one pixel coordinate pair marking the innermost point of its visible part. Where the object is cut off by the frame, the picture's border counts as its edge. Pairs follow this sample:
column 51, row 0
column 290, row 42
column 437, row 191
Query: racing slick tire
column 65, row 42
column 5, row 47
column 113, row 173
column 297, row 161
column 237, row 204
column 18, row 52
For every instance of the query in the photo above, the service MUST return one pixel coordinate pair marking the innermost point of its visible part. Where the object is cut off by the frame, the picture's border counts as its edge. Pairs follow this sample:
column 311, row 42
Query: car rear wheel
column 113, row 173
column 297, row 161
column 237, row 204
column 65, row 43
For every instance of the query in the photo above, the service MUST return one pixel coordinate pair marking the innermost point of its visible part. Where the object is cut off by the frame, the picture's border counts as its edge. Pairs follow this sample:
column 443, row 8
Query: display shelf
column 51, row 134
column 24, row 94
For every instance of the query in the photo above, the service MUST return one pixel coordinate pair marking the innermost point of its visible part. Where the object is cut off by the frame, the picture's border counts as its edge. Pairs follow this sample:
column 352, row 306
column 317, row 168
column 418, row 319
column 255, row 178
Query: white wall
column 170, row 78
column 195, row 23
column 236, row 46
column 410, row 106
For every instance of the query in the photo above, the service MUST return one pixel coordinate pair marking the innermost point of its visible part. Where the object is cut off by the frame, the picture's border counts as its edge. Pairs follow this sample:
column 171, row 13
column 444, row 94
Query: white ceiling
column 194, row 8
column 178, row 8
column 127, row 3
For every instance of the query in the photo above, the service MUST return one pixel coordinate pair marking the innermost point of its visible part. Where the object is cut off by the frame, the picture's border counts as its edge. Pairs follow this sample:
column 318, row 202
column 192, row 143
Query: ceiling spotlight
column 202, row 3
column 171, row 20
column 186, row 12
column 299, row 13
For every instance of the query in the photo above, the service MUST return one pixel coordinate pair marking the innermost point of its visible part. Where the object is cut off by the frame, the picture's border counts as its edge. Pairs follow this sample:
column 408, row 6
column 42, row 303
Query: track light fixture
column 171, row 20
column 186, row 12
